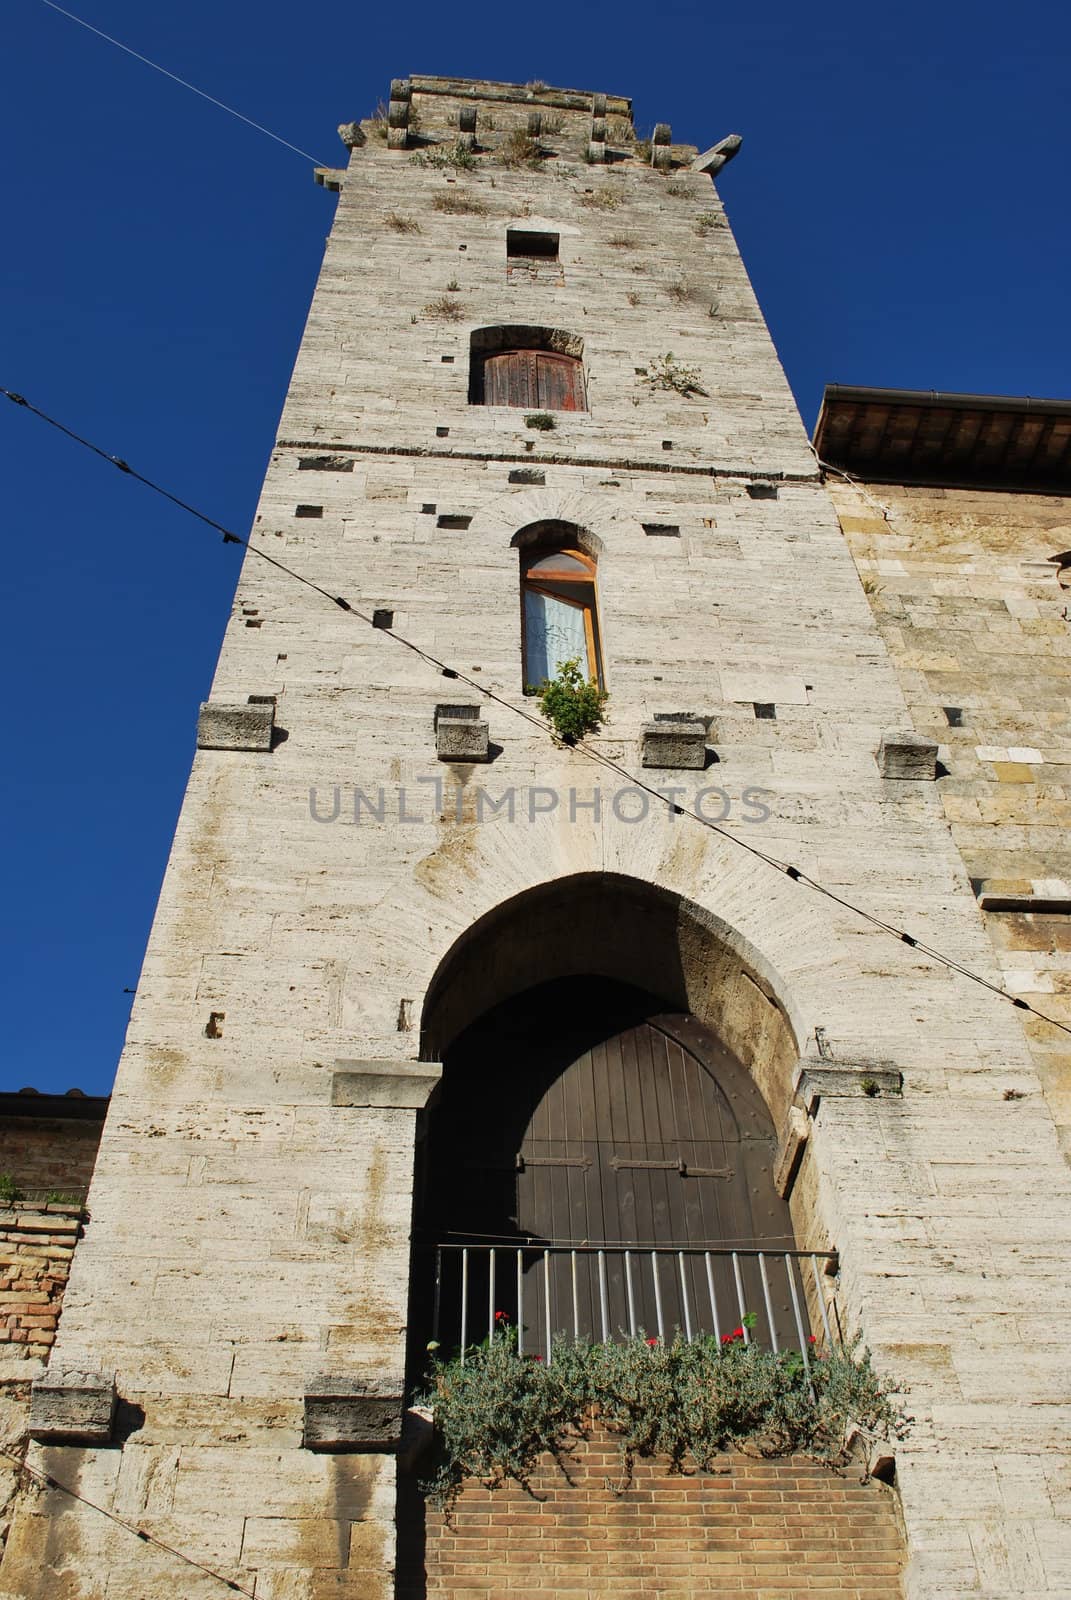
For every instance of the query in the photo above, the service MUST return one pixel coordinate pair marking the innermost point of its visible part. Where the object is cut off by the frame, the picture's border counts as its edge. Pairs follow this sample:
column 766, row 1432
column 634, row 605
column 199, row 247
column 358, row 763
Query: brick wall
column 36, row 1246
column 769, row 1530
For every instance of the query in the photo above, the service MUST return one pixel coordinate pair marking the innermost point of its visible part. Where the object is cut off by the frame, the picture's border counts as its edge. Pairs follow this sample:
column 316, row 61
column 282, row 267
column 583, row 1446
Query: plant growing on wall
column 457, row 155
column 664, row 372
column 9, row 1189
column 571, row 703
column 519, row 149
column 496, row 1414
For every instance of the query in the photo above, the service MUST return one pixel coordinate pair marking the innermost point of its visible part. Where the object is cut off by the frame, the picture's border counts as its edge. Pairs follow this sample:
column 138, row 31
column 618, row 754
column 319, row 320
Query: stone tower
column 537, row 416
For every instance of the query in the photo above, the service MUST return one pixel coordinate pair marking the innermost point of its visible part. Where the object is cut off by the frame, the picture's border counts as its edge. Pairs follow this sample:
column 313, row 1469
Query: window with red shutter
column 527, row 375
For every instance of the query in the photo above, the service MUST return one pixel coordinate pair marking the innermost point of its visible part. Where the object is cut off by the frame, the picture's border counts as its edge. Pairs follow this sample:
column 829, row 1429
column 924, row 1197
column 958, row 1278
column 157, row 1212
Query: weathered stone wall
column 250, row 1237
column 974, row 613
column 776, row 1529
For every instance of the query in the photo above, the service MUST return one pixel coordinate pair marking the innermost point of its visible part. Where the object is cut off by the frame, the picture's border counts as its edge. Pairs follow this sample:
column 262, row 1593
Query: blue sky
column 900, row 200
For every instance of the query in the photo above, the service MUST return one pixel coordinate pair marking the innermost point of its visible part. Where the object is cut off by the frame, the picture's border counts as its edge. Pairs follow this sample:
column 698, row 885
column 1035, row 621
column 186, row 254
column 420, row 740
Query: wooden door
column 537, row 380
column 583, row 1117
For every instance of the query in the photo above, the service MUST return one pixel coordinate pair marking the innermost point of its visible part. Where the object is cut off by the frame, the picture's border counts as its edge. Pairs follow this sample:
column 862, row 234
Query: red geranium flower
column 501, row 1316
column 652, row 1342
column 811, row 1339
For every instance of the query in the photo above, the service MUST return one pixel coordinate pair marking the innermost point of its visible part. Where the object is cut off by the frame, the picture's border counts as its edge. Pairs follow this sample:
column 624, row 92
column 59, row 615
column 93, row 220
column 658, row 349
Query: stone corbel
column 461, row 734
column 385, row 1085
column 856, row 1080
column 661, row 146
column 466, row 128
column 398, row 114
column 676, row 744
column 72, row 1405
column 908, row 756
column 237, row 727
column 345, row 1414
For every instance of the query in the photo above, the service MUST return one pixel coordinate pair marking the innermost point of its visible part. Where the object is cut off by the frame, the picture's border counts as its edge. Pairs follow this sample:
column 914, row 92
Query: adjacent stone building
column 430, row 996
column 956, row 509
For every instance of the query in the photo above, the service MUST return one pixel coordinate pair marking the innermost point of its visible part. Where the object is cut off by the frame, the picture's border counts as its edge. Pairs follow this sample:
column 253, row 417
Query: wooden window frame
column 590, row 608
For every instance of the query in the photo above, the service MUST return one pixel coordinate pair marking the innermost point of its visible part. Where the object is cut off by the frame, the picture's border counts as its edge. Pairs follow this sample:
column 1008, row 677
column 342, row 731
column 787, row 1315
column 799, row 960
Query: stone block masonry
column 252, row 1208
column 760, row 1530
column 972, row 600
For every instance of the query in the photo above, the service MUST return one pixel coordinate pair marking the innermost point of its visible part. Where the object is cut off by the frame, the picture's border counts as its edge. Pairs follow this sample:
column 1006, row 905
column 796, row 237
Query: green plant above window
column 572, row 704
column 499, row 1411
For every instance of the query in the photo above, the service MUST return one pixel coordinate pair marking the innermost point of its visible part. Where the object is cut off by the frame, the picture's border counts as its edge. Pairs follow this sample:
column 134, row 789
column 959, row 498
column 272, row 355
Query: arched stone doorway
column 596, row 1165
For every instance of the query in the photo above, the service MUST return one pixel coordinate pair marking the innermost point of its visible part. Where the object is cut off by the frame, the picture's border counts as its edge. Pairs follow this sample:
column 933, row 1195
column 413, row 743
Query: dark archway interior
column 583, row 1128
column 604, row 924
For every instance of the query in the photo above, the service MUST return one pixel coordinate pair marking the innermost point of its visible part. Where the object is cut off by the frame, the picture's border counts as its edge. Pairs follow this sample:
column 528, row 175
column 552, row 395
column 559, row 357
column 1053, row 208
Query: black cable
column 49, row 1482
column 796, row 874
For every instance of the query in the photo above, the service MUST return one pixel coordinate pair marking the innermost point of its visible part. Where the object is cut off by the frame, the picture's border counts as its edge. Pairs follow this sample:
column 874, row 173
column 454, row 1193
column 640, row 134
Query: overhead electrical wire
column 47, row 1481
column 155, row 65
column 796, row 874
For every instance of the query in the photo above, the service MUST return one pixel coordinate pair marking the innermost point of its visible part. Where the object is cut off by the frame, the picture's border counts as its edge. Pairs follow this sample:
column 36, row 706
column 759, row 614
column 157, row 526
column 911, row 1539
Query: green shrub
column 9, row 1189
column 542, row 420
column 572, row 703
column 496, row 1414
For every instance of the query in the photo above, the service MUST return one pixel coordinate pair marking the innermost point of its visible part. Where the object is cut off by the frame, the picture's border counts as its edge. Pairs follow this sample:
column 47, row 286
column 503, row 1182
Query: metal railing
column 599, row 1293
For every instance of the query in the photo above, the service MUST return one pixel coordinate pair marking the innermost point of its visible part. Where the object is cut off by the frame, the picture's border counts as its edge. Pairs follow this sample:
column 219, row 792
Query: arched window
column 559, row 616
column 534, row 369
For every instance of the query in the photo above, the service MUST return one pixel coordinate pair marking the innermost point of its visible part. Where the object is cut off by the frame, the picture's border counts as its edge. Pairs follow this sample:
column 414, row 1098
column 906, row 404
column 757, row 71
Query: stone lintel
column 385, row 1085
column 236, row 727
column 674, row 745
column 908, row 756
column 72, row 1405
column 790, row 1148
column 858, row 1080
column 344, row 1413
column 331, row 178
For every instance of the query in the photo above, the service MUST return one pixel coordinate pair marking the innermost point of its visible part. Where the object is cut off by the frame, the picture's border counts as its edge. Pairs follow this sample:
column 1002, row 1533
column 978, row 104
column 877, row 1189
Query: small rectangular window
column 453, row 522
column 764, row 711
column 662, row 530
column 523, row 245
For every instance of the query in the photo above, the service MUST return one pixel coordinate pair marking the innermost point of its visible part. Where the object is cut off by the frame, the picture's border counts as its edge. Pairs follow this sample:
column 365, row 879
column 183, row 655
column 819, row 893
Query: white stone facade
column 248, row 1236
